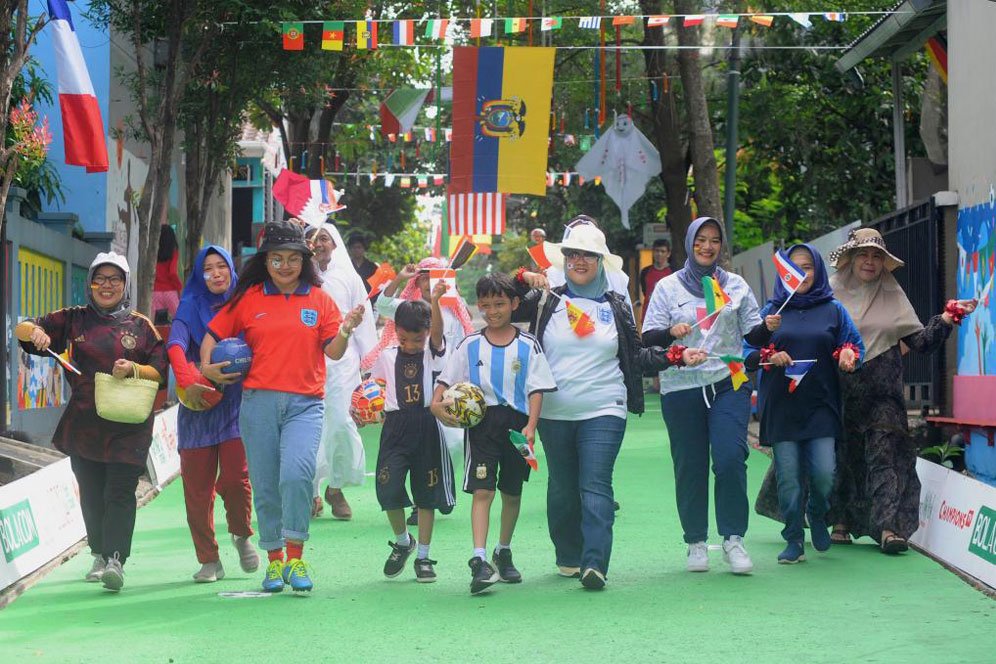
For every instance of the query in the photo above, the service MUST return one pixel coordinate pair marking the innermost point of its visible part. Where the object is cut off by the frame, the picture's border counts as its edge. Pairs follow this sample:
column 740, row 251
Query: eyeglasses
column 100, row 280
column 574, row 255
column 294, row 261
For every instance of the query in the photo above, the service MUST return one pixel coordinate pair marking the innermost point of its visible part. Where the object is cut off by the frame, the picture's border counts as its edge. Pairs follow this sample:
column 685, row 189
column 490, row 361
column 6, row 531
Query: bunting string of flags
column 403, row 31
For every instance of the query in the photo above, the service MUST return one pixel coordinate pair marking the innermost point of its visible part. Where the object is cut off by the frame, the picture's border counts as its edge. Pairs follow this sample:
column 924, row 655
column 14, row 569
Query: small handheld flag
column 791, row 275
column 448, row 277
column 715, row 298
column 795, row 372
column 464, row 251
column 65, row 363
column 539, row 256
column 382, row 276
column 737, row 373
column 521, row 443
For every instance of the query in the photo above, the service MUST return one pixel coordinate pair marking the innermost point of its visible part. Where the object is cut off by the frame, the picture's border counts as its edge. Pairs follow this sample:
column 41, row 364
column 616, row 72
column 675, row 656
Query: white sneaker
column 210, row 572
column 96, row 570
column 698, row 557
column 113, row 576
column 736, row 556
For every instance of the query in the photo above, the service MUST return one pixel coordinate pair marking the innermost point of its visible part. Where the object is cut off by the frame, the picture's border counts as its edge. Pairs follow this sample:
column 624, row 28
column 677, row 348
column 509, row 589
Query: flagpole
column 784, row 303
column 699, row 322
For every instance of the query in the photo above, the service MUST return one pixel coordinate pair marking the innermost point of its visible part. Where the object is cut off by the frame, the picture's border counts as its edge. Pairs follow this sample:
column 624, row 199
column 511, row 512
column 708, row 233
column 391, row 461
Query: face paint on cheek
column 570, row 266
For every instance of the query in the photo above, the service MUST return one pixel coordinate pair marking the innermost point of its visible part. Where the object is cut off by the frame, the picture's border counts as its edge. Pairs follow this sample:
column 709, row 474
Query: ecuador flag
column 501, row 111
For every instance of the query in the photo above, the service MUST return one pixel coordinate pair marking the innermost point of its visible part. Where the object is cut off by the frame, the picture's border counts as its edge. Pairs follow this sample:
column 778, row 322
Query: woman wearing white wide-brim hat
column 615, row 272
column 589, row 337
column 877, row 490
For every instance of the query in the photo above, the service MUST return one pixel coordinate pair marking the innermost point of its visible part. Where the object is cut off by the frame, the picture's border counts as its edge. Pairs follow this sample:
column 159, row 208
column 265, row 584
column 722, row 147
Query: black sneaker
column 592, row 579
column 413, row 519
column 399, row 556
column 483, row 575
column 502, row 560
column 424, row 571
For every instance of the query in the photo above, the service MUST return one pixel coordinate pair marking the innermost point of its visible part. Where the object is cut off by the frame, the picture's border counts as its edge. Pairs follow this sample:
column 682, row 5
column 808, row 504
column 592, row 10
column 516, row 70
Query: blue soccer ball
column 237, row 352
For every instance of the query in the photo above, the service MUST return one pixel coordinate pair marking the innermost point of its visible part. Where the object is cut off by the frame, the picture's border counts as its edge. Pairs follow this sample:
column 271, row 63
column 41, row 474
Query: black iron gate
column 913, row 234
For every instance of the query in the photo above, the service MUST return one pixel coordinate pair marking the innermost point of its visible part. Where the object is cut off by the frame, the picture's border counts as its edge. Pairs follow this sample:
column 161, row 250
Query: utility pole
column 732, row 120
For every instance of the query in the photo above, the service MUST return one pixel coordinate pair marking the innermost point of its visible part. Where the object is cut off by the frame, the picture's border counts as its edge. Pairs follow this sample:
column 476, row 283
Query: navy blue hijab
column 820, row 291
column 691, row 274
column 198, row 304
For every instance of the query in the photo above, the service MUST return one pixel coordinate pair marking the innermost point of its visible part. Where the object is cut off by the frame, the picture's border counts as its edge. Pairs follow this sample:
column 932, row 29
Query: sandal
column 893, row 543
column 840, row 535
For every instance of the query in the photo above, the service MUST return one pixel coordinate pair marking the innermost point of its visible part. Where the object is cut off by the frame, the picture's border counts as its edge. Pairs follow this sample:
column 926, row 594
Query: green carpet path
column 851, row 604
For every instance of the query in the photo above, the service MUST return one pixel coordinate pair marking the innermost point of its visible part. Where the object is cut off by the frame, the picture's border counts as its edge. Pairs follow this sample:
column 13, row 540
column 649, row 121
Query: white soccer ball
column 468, row 404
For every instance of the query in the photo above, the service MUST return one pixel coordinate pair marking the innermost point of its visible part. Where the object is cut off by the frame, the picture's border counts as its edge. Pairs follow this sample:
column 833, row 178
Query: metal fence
column 914, row 235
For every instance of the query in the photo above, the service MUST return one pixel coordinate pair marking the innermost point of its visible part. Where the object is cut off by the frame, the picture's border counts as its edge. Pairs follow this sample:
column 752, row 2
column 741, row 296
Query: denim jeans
column 816, row 458
column 581, row 455
column 703, row 422
column 281, row 432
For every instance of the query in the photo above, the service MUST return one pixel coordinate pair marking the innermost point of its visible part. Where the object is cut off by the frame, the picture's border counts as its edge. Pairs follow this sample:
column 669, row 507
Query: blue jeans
column 581, row 455
column 281, row 432
column 704, row 421
column 816, row 458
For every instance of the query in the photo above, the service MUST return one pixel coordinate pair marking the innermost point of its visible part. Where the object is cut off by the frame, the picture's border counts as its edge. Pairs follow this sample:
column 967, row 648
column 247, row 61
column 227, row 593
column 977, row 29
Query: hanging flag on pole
column 658, row 20
column 435, row 28
column 791, row 275
column 480, row 27
column 333, row 35
column 590, row 22
column 802, row 19
column 83, row 130
column 404, row 32
column 293, row 36
column 476, row 214
column 501, row 106
column 399, row 110
column 727, row 21
column 551, row 23
column 366, row 35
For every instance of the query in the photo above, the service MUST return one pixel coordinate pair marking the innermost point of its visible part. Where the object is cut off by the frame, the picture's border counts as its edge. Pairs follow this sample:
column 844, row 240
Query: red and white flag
column 476, row 214
column 448, row 277
column 82, row 127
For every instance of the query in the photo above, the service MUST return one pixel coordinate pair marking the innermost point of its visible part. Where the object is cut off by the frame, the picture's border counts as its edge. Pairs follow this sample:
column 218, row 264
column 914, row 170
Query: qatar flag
column 310, row 200
column 82, row 128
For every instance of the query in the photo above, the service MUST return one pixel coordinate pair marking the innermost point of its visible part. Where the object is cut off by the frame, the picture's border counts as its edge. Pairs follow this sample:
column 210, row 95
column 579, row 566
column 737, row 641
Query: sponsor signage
column 39, row 519
column 957, row 520
column 164, row 458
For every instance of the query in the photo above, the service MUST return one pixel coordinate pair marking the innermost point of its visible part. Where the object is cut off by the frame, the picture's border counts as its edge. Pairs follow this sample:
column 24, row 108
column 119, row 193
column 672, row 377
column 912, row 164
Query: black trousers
column 107, row 498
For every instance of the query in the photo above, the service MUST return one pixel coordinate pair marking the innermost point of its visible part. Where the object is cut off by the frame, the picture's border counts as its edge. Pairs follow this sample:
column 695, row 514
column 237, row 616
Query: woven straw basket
column 124, row 400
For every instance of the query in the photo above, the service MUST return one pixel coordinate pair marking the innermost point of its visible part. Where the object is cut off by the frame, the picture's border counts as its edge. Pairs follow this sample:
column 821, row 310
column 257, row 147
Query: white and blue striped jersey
column 507, row 375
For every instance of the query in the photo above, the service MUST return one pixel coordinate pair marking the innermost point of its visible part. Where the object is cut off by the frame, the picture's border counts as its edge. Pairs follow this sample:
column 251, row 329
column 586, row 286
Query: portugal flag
column 293, row 36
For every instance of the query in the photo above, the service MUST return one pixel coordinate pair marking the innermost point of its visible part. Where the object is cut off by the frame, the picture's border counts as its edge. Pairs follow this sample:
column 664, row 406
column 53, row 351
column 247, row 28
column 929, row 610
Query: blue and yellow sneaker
column 274, row 582
column 296, row 576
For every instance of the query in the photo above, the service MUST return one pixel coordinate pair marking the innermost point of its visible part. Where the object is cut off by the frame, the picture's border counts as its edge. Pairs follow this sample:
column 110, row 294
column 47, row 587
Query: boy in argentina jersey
column 510, row 368
column 410, row 442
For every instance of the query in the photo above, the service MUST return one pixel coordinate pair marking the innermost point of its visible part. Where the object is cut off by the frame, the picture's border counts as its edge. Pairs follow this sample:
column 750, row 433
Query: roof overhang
column 897, row 34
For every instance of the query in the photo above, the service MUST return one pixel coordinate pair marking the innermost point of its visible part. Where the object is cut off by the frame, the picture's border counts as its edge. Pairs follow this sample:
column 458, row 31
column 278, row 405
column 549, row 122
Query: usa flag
column 476, row 214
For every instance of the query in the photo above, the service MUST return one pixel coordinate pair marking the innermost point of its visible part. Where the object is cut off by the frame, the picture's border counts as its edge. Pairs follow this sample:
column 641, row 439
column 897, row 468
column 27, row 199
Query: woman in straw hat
column 599, row 374
column 877, row 490
column 107, row 457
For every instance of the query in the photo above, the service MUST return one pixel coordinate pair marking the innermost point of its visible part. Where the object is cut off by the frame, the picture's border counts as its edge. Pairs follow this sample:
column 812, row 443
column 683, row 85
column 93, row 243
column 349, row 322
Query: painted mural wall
column 976, row 256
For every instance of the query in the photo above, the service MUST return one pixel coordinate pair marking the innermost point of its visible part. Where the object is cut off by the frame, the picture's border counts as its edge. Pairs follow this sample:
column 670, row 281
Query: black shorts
column 491, row 459
column 410, row 445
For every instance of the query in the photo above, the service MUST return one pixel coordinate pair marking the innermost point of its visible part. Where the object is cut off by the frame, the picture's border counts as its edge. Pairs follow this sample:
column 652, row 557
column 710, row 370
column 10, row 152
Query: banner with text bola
column 164, row 459
column 39, row 519
column 957, row 520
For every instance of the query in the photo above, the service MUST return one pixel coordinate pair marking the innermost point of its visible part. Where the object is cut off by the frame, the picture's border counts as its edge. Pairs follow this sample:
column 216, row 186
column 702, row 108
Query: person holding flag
column 598, row 364
column 799, row 394
column 877, row 491
column 705, row 411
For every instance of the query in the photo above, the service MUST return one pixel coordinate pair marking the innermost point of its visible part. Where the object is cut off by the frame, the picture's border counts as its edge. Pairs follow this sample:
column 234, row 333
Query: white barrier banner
column 164, row 459
column 957, row 520
column 39, row 519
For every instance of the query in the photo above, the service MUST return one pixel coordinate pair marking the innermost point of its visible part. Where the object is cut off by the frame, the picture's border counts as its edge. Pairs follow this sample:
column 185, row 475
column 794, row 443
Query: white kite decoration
column 625, row 160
